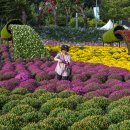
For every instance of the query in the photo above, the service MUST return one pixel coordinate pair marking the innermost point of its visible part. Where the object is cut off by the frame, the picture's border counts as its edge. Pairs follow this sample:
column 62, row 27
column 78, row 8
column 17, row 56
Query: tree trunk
column 85, row 22
column 24, row 16
column 55, row 19
column 67, row 20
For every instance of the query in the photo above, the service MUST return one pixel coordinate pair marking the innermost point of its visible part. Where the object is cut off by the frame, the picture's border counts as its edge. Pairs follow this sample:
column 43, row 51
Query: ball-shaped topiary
column 21, row 109
column 65, row 94
column 20, row 91
column 33, row 116
column 8, row 106
column 92, row 123
column 50, row 105
column 34, row 102
column 12, row 120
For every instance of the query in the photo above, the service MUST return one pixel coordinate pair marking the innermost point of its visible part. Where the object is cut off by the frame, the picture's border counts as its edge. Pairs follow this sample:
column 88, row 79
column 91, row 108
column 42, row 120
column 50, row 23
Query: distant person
column 63, row 68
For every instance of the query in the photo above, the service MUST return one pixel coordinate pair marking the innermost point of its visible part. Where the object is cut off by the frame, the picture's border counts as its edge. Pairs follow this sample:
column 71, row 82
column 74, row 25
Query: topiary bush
column 125, row 101
column 92, row 123
column 34, row 102
column 119, row 114
column 33, row 116
column 3, row 100
column 54, row 123
column 31, row 126
column 8, row 106
column 12, row 121
column 27, row 43
column 47, row 96
column 21, row 109
column 4, row 91
column 20, row 91
column 90, row 112
column 96, row 102
column 50, row 105
column 16, row 97
column 65, row 94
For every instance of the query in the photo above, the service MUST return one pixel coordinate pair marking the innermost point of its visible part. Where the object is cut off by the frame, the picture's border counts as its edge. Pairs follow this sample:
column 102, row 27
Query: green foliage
column 33, row 116
column 27, row 43
column 47, row 96
column 71, row 34
column 20, row 91
column 125, row 101
column 50, row 105
column 8, row 106
column 4, row 91
column 90, row 112
column 16, row 97
column 96, row 102
column 119, row 114
column 93, row 22
column 92, row 123
column 34, row 102
column 12, row 121
column 72, row 22
column 53, row 123
column 21, row 109
column 3, row 100
column 124, row 125
column 65, row 94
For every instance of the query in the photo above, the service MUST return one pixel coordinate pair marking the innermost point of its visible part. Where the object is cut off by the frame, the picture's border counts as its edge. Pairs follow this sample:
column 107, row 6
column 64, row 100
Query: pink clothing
column 61, row 68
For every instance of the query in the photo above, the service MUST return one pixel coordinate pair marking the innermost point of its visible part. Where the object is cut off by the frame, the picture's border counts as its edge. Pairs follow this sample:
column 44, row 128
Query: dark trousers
column 59, row 77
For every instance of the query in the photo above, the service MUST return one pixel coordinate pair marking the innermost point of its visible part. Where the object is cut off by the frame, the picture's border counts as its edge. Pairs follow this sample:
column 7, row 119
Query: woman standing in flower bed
column 63, row 69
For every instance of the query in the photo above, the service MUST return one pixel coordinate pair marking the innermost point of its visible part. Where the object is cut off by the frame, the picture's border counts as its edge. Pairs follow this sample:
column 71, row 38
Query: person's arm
column 57, row 58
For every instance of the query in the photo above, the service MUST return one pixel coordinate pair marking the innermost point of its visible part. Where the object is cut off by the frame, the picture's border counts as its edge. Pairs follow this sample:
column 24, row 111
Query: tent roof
column 107, row 26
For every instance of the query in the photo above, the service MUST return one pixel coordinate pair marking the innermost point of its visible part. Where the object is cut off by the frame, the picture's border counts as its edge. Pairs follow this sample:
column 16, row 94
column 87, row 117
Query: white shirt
column 61, row 67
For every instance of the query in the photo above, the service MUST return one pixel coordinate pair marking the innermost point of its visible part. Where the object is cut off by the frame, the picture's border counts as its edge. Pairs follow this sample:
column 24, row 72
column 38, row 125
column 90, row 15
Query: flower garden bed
column 96, row 99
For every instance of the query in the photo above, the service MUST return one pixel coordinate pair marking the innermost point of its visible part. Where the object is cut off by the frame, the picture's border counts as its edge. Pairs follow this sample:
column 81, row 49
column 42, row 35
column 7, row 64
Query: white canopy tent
column 107, row 26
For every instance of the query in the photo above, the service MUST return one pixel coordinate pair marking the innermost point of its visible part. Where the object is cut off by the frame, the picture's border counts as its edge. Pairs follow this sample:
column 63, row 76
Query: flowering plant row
column 65, row 110
column 111, row 56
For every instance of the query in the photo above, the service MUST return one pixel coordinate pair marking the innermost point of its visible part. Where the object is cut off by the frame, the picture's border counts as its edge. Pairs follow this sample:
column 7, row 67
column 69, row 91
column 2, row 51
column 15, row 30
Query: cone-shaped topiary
column 27, row 43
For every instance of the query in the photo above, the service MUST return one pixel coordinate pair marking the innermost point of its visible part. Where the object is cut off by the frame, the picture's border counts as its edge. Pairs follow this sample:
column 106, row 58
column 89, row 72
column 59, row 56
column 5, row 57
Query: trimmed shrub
column 119, row 114
column 96, row 102
column 90, row 112
column 3, row 100
column 12, row 121
column 33, row 116
column 4, row 91
column 47, row 96
column 125, row 101
column 54, row 123
column 31, row 126
column 16, row 97
column 80, row 22
column 8, row 106
column 55, row 112
column 113, row 127
column 28, row 42
column 21, row 109
column 65, row 94
column 92, row 123
column 20, row 91
column 50, row 105
column 34, row 102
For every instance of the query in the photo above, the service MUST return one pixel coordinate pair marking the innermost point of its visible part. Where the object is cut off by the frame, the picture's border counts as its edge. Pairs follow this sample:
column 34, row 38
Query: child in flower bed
column 63, row 68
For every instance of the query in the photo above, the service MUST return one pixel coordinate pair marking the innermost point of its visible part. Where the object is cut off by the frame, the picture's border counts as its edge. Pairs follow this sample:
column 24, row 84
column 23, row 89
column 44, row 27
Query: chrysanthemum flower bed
column 65, row 110
column 88, row 79
column 111, row 56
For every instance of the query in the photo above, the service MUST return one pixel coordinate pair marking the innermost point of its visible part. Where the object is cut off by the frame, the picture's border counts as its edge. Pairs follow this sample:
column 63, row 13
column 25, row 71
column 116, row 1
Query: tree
column 116, row 10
